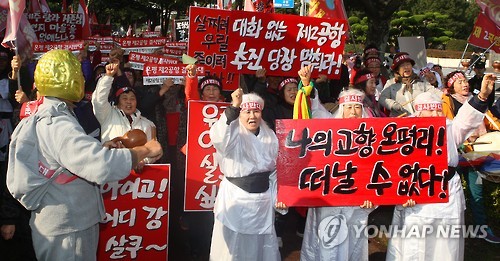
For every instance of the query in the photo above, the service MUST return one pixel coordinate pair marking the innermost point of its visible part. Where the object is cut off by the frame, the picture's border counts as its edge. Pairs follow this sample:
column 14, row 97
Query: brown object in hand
column 132, row 138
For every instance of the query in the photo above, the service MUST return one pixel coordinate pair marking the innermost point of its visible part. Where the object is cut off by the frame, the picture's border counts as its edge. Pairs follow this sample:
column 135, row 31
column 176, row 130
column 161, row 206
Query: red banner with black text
column 137, row 215
column 335, row 162
column 202, row 172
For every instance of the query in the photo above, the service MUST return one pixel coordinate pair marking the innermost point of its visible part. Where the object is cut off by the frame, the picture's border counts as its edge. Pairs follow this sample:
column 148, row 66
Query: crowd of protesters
column 112, row 101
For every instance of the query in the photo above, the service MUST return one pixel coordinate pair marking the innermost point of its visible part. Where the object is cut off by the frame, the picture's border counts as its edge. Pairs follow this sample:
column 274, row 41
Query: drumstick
column 402, row 115
column 404, row 104
column 477, row 143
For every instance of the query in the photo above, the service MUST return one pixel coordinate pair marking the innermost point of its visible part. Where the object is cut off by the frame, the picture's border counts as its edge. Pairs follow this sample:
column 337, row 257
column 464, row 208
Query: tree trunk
column 379, row 13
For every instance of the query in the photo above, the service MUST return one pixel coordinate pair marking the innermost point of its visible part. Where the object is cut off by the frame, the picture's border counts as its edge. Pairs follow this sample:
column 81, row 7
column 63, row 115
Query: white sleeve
column 317, row 109
column 224, row 136
column 465, row 122
column 100, row 104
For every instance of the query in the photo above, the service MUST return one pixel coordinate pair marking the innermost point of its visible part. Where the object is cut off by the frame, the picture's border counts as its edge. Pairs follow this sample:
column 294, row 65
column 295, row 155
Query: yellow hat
column 59, row 74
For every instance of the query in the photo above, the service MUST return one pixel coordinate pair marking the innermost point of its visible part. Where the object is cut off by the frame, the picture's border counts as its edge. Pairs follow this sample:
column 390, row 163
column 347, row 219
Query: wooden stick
column 477, row 143
column 402, row 115
column 404, row 104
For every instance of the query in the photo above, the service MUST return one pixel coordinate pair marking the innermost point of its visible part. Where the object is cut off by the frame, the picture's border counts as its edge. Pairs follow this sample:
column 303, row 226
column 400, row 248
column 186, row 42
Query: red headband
column 423, row 71
column 122, row 90
column 401, row 58
column 352, row 98
column 365, row 77
column 372, row 60
column 436, row 106
column 454, row 78
column 251, row 105
column 287, row 81
column 209, row 82
column 371, row 50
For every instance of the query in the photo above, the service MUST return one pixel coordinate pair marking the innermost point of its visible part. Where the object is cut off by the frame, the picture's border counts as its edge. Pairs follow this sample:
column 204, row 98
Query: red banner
column 136, row 225
column 56, row 27
column 141, row 45
column 202, row 173
column 155, row 74
column 485, row 33
column 137, row 60
column 385, row 160
column 208, row 42
column 243, row 42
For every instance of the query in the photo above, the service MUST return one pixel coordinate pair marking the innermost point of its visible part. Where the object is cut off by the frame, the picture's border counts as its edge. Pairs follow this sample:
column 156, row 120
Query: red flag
column 15, row 12
column 64, row 7
column 485, row 33
column 129, row 31
column 93, row 20
column 327, row 9
column 82, row 9
column 491, row 9
column 264, row 6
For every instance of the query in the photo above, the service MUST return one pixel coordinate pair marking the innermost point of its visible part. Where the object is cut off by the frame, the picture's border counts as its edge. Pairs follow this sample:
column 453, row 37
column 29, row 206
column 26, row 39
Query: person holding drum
column 459, row 92
column 440, row 215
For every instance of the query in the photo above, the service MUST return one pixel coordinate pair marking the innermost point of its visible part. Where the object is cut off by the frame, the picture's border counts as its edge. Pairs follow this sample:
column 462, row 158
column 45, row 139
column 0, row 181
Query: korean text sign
column 136, row 225
column 208, row 42
column 334, row 162
column 281, row 44
column 56, row 27
column 202, row 172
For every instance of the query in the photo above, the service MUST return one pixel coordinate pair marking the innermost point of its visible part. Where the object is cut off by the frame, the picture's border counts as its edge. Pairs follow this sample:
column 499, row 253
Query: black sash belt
column 253, row 183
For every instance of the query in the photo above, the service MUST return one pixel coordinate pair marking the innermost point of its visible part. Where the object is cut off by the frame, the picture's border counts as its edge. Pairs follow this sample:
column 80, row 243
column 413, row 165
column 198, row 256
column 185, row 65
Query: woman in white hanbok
column 246, row 150
column 440, row 216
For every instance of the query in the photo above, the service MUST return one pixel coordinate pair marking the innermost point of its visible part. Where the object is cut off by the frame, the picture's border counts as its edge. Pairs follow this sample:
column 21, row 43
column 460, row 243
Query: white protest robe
column 446, row 245
column 330, row 232
column 244, row 222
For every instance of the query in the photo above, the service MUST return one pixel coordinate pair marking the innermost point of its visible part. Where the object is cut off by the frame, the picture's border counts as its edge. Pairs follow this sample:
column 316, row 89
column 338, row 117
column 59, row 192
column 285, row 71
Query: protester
column 314, row 247
column 365, row 81
column 475, row 82
column 374, row 65
column 65, row 223
column 398, row 95
column 123, row 116
column 458, row 94
column 246, row 149
column 440, row 215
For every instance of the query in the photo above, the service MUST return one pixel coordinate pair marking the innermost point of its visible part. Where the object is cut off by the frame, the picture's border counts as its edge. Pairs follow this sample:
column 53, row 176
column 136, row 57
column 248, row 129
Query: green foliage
column 456, row 45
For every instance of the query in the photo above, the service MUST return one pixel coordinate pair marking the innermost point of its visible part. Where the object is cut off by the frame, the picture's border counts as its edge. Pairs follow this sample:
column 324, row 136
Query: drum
column 488, row 147
column 488, row 142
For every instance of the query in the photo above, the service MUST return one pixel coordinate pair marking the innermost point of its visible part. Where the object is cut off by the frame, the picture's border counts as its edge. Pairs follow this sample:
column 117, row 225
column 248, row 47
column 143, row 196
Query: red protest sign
column 282, row 44
column 385, row 160
column 136, row 225
column 39, row 47
column 208, row 42
column 243, row 42
column 154, row 73
column 55, row 27
column 137, row 60
column 485, row 33
column 141, row 45
column 202, row 173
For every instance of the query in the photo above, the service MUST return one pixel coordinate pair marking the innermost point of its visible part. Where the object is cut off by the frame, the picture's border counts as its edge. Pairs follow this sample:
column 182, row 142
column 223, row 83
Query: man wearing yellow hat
column 65, row 218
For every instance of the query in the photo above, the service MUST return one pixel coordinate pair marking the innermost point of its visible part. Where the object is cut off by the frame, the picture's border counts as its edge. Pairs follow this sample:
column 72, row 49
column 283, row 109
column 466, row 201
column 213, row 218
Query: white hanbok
column 444, row 215
column 244, row 222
